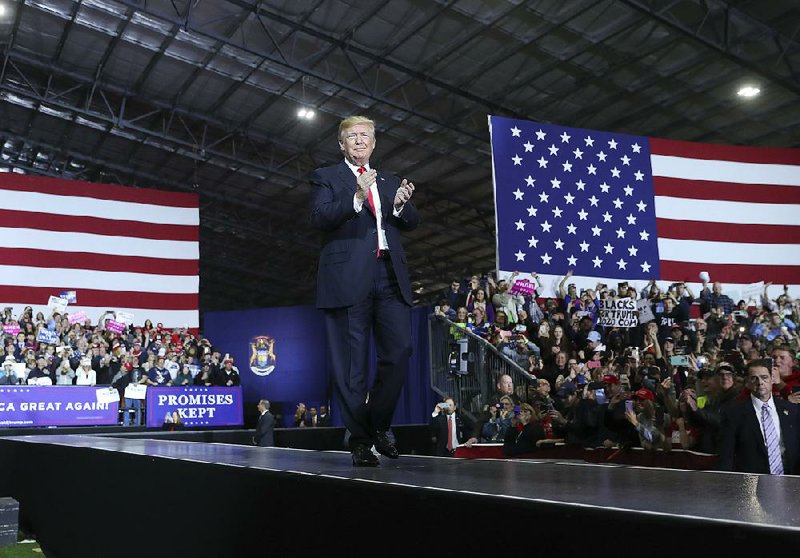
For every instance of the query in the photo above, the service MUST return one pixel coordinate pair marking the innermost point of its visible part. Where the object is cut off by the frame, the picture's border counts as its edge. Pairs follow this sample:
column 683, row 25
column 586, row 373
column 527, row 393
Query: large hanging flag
column 615, row 207
column 109, row 247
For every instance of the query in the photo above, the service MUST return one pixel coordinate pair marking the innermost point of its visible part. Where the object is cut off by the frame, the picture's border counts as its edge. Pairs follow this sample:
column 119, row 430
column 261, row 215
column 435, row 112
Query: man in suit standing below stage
column 324, row 417
column 266, row 426
column 762, row 433
column 363, row 285
column 447, row 428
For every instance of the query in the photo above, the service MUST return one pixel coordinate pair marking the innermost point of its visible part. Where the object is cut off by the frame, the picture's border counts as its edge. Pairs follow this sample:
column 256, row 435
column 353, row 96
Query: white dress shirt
column 773, row 412
column 383, row 244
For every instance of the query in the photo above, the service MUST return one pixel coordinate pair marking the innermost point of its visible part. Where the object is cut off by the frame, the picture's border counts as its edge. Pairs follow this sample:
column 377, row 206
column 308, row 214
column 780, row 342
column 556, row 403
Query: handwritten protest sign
column 107, row 395
column 645, row 311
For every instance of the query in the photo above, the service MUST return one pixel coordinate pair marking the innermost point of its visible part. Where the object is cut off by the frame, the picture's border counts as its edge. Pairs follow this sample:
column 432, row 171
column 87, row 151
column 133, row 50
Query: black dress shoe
column 385, row 446
column 363, row 457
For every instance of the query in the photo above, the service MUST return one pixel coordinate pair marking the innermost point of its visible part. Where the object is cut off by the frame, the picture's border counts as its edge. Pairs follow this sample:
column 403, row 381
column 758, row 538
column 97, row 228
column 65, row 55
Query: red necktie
column 450, row 432
column 362, row 170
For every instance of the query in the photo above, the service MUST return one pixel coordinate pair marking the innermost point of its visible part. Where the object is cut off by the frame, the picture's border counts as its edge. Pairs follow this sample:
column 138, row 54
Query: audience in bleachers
column 666, row 383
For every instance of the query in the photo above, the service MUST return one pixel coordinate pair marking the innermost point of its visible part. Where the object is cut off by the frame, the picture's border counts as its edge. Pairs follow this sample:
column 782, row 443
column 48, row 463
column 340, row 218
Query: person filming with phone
column 447, row 428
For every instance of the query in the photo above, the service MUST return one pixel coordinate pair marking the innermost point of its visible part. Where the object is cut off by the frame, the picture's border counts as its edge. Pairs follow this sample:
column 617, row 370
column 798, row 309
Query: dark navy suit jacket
column 350, row 240
column 742, row 444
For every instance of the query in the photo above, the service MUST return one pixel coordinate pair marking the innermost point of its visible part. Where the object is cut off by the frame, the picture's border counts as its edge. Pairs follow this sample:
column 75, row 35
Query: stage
column 85, row 495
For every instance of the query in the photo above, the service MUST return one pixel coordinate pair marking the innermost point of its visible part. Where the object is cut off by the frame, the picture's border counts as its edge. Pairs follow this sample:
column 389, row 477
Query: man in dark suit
column 324, row 417
column 762, row 433
column 266, row 426
column 363, row 285
column 447, row 428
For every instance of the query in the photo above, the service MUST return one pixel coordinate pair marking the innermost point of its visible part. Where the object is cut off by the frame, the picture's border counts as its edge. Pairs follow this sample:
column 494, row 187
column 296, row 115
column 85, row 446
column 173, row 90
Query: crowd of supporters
column 83, row 353
column 665, row 383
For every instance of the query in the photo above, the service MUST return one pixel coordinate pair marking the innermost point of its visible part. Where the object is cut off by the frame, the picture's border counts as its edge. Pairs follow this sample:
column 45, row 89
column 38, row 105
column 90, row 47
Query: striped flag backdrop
column 614, row 207
column 117, row 247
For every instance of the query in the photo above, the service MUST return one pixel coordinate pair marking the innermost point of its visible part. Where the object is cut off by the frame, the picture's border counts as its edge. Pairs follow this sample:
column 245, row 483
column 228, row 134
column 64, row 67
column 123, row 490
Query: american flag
column 117, row 247
column 613, row 206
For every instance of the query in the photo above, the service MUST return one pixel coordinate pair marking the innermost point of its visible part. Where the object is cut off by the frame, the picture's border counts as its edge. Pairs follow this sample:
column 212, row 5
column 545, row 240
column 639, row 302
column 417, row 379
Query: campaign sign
column 54, row 406
column 618, row 313
column 77, row 317
column 116, row 327
column 523, row 287
column 645, row 312
column 70, row 296
column 11, row 329
column 125, row 317
column 47, row 336
column 197, row 406
column 57, row 304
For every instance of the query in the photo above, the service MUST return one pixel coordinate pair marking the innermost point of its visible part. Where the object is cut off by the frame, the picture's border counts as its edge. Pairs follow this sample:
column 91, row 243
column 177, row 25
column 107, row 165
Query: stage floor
column 760, row 501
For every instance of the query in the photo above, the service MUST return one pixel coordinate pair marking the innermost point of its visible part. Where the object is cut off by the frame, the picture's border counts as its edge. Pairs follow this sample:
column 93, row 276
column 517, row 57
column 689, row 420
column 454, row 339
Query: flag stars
column 530, row 181
column 597, row 261
column 609, row 248
column 520, row 225
column 533, row 242
column 528, row 147
column 569, row 198
column 520, row 256
column 645, row 267
column 572, row 261
column 572, row 229
column 559, row 244
column 578, row 153
column 615, row 172
column 581, row 185
column 644, row 236
column 584, row 246
column 632, row 251
column 518, row 194
column 565, row 137
column 617, row 203
column 582, row 214
column 567, row 166
column 557, row 211
column 532, row 211
column 546, row 226
column 591, row 169
column 542, row 162
column 546, row 258
column 642, row 206
column 540, row 135
column 626, row 161
column 543, row 197
column 636, row 148
column 631, row 219
column 593, row 201
column 596, row 231
column 622, row 264
column 639, row 176
column 620, row 232
column 515, row 132
column 553, row 150
column 556, row 183
column 589, row 141
column 601, row 156
column 517, row 160
column 612, row 143
column 628, row 190
column 606, row 217
column 604, row 188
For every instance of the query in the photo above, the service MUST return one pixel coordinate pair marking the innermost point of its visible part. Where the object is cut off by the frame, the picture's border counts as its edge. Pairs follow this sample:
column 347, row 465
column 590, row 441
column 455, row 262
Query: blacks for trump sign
column 618, row 313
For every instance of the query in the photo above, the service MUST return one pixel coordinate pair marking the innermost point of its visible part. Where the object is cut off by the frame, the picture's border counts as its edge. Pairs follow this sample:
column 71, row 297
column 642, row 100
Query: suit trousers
column 383, row 316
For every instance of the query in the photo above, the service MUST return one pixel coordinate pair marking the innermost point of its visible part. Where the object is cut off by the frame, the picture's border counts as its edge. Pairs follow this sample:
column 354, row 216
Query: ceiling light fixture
column 306, row 113
column 748, row 91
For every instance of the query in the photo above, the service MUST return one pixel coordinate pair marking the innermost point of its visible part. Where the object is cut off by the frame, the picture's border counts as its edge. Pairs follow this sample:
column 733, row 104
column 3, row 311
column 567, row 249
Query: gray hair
column 264, row 403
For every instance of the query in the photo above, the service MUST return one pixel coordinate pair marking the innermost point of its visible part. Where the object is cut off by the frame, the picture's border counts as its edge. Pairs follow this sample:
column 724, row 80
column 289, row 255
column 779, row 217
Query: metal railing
column 466, row 367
